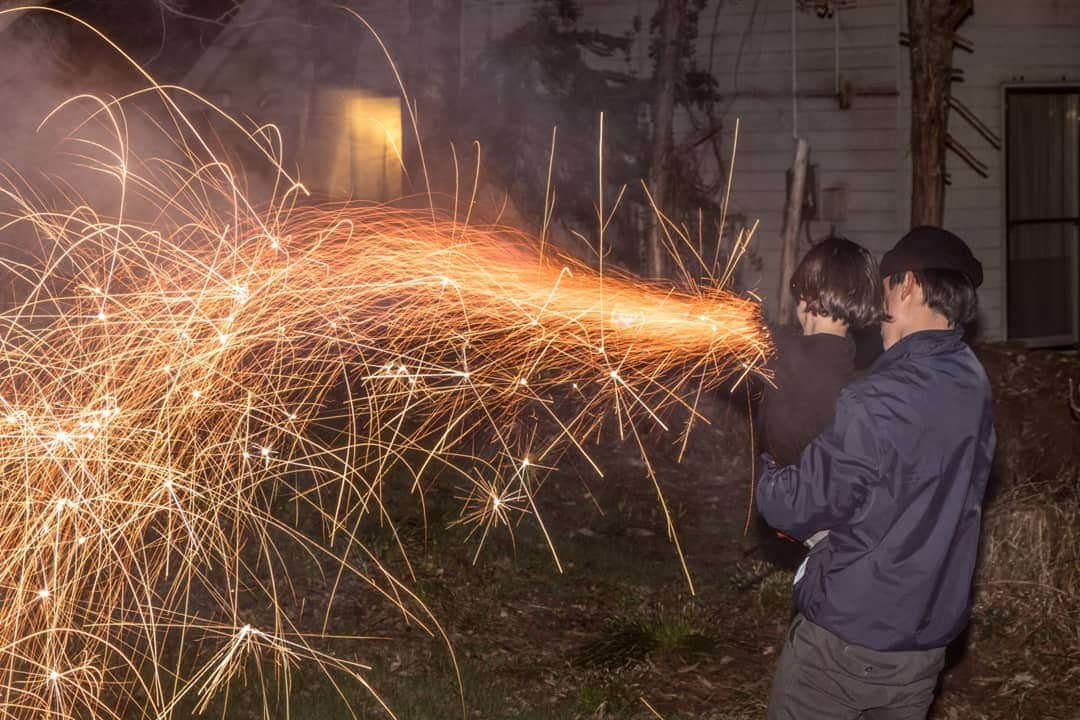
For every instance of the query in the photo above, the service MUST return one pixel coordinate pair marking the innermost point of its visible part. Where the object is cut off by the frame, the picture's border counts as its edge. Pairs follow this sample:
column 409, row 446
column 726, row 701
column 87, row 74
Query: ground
column 619, row 633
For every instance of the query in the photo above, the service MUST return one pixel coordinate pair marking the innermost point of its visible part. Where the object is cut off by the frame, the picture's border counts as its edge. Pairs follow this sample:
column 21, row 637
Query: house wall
column 1035, row 41
column 867, row 146
column 857, row 148
column 323, row 80
column 748, row 44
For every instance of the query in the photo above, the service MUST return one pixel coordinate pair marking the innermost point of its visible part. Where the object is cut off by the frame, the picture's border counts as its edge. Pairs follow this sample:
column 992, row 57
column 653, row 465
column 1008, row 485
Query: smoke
column 77, row 118
column 481, row 82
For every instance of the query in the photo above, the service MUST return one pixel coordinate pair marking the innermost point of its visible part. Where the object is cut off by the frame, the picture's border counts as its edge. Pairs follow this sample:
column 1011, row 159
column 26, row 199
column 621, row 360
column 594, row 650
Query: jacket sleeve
column 832, row 480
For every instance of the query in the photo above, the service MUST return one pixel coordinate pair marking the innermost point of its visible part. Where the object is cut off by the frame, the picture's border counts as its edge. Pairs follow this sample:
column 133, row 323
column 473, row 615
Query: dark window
column 1043, row 214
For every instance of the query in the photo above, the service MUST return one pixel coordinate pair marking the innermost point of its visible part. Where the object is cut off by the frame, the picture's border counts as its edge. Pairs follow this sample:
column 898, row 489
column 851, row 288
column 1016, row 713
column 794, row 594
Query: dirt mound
column 1038, row 440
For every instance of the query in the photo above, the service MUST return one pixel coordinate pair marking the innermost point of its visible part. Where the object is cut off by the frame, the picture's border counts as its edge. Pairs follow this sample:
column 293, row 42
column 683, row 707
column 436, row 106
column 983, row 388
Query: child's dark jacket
column 808, row 371
column 898, row 479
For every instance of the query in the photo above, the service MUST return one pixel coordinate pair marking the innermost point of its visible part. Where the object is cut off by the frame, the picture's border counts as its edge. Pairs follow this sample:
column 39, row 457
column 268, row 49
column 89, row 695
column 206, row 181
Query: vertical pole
column 794, row 69
column 672, row 13
column 789, row 239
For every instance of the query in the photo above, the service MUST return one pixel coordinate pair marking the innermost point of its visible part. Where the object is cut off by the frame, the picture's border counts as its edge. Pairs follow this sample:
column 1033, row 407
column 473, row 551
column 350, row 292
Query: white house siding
column 865, row 147
column 857, row 147
column 751, row 57
column 1034, row 41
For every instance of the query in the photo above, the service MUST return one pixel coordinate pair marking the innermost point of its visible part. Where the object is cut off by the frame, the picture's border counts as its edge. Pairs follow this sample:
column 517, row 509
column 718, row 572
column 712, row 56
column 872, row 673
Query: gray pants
column 821, row 676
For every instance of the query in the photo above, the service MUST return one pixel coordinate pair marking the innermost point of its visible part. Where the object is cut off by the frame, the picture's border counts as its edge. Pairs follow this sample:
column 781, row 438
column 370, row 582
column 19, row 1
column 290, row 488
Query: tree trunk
column 789, row 241
column 672, row 13
column 932, row 26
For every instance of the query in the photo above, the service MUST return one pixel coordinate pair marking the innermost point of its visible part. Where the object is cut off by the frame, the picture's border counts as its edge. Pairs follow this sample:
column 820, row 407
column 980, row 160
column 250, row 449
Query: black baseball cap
column 932, row 248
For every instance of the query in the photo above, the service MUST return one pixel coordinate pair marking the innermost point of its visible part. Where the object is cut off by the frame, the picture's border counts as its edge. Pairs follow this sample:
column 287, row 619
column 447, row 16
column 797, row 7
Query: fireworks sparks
column 168, row 373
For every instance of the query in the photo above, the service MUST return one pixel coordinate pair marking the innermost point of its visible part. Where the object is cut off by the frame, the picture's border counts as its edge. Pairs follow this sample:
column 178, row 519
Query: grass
column 653, row 631
column 673, row 630
column 610, row 697
column 619, row 624
column 434, row 693
column 414, row 692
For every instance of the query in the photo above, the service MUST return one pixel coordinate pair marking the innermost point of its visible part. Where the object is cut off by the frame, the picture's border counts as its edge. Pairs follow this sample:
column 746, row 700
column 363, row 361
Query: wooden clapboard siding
column 747, row 181
column 1009, row 15
column 748, row 46
column 857, row 147
column 1037, row 41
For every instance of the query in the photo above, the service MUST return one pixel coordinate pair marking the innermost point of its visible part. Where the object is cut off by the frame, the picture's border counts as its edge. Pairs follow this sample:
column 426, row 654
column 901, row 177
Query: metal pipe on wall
column 836, row 50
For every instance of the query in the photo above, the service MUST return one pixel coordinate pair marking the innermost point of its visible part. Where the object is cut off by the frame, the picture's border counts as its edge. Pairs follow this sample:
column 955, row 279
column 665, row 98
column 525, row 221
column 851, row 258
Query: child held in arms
column 838, row 288
column 898, row 476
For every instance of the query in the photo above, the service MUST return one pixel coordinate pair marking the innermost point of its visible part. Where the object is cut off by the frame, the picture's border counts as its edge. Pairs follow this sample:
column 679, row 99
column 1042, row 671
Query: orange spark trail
column 172, row 368
column 145, row 424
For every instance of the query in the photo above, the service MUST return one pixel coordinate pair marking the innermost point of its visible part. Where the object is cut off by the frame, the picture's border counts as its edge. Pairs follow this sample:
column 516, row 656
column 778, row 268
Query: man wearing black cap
column 897, row 479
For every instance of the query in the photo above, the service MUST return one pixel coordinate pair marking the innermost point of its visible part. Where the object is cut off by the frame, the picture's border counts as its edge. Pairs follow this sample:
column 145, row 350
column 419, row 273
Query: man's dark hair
column 839, row 279
column 948, row 292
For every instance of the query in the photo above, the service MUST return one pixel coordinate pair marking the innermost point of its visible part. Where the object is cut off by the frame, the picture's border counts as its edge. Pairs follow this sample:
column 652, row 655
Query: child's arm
column 835, row 476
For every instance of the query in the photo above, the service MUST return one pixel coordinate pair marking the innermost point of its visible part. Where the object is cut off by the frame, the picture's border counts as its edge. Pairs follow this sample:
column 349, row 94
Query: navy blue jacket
column 898, row 480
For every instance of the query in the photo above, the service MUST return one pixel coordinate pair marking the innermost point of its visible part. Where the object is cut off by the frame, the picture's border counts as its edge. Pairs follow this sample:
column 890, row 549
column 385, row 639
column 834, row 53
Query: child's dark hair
column 839, row 279
column 948, row 292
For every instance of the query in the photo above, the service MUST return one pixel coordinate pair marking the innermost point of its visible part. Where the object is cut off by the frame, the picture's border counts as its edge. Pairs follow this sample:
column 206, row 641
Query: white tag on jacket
column 800, row 572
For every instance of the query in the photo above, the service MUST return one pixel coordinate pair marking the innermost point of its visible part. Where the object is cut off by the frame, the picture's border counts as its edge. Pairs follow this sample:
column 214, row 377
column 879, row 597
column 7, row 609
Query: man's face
column 891, row 329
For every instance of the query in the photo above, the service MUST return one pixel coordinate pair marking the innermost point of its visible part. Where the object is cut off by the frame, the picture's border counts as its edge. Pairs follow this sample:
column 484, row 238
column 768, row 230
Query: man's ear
column 908, row 285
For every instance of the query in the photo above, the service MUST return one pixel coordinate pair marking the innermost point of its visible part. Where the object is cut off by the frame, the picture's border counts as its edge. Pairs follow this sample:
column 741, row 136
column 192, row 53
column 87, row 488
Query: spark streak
column 168, row 372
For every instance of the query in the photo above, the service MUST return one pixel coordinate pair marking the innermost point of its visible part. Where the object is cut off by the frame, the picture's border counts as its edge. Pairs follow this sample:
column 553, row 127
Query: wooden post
column 789, row 239
column 932, row 28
